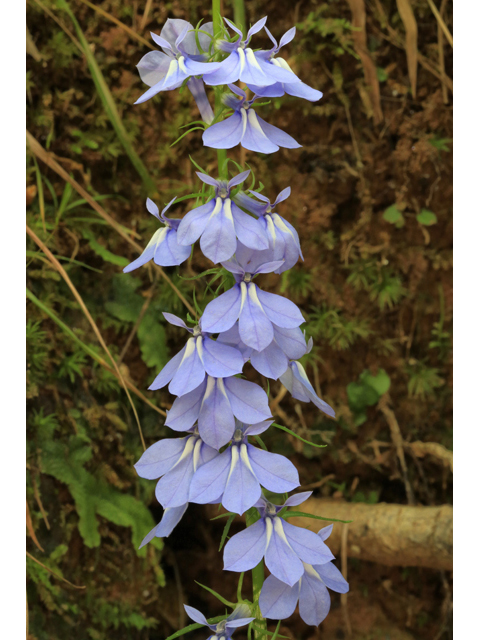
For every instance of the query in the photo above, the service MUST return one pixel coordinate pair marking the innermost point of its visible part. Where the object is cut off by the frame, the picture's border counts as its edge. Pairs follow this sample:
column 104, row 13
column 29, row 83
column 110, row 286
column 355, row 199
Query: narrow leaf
column 292, row 433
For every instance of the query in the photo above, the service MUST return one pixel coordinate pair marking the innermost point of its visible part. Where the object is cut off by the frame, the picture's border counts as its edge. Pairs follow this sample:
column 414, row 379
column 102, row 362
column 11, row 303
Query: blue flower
column 224, row 629
column 283, row 240
column 174, row 461
column 296, row 381
column 220, row 222
column 255, row 309
column 180, row 60
column 247, row 65
column 201, row 356
column 278, row 600
column 216, row 403
column 245, row 127
column 236, row 474
column 272, row 362
column 163, row 247
column 298, row 89
column 285, row 547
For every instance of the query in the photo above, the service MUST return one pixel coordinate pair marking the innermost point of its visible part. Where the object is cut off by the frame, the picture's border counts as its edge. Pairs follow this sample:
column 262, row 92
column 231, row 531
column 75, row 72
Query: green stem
column 258, row 576
column 217, row 33
column 239, row 15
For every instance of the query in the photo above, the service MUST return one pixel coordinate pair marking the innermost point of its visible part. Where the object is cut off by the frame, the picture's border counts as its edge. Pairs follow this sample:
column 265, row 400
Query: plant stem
column 217, row 33
column 239, row 15
column 258, row 576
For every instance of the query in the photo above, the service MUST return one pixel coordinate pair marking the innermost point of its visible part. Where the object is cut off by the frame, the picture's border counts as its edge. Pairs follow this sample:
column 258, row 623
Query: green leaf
column 394, row 216
column 301, row 514
column 292, row 433
column 226, row 529
column 217, row 595
column 361, row 395
column 192, row 627
column 101, row 251
column 153, row 341
column 427, row 218
column 380, row 382
column 94, row 497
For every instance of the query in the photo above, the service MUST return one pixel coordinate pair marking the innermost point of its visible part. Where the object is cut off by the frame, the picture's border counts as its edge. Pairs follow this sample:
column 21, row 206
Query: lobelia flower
column 247, row 65
column 163, row 247
column 285, row 547
column 174, row 461
column 296, row 381
column 244, row 126
column 219, row 223
column 272, row 362
column 222, row 630
column 216, row 403
column 283, row 240
column 278, row 600
column 256, row 310
column 180, row 60
column 235, row 475
column 298, row 89
column 201, row 356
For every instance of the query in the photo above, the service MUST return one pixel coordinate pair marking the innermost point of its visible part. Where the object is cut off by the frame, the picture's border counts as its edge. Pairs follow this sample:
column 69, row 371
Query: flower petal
column 222, row 313
column 218, row 241
column 190, row 372
column 185, row 410
column 249, row 230
column 281, row 311
column 149, row 250
column 248, row 401
column 332, row 577
column 242, row 488
column 228, row 71
column 168, row 371
column 302, row 90
column 280, row 558
column 153, row 67
column 277, row 136
column 160, row 457
column 208, row 483
column 225, row 134
column 175, row 320
column 290, row 341
column 271, row 362
column 298, row 498
column 197, row 616
column 244, row 550
column 274, row 472
column 314, row 600
column 300, row 375
column 277, row 599
column 172, row 490
column 255, row 138
column 169, row 253
column 216, row 423
column 171, row 517
column 254, row 326
column 220, row 360
column 258, row 428
column 194, row 222
column 307, row 545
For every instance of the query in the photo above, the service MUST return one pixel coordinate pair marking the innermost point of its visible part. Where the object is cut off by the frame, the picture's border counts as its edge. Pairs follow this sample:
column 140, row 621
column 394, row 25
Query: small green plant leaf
column 394, row 216
column 427, row 218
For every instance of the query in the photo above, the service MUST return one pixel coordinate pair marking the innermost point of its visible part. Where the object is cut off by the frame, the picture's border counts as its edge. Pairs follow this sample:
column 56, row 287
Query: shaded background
column 371, row 199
